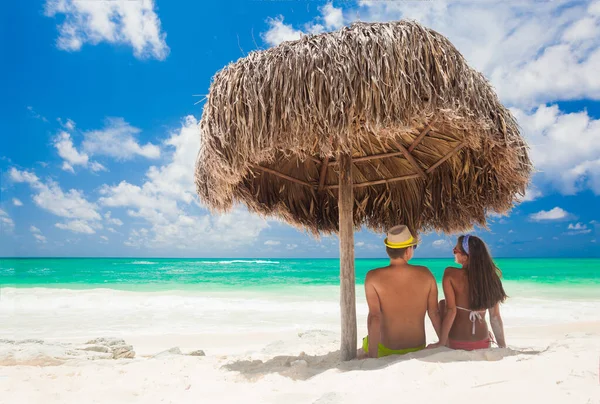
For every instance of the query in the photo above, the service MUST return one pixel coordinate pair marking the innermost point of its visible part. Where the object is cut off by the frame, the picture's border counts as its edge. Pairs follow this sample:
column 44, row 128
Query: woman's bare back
column 462, row 328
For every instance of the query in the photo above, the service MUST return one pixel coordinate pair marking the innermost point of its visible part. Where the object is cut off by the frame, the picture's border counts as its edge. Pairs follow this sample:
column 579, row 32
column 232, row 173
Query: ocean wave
column 144, row 263
column 111, row 302
column 248, row 262
column 227, row 262
column 39, row 271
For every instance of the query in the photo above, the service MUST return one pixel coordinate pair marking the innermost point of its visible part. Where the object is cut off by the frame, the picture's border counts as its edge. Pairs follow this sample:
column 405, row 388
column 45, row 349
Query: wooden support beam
column 281, row 175
column 323, row 173
column 371, row 157
column 347, row 276
column 378, row 182
column 425, row 131
column 314, row 159
column 403, row 152
column 387, row 181
column 446, row 157
column 410, row 158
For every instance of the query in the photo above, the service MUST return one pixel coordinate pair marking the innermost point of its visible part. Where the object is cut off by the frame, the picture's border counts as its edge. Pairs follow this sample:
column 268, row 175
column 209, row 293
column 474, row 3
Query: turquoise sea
column 580, row 276
column 45, row 297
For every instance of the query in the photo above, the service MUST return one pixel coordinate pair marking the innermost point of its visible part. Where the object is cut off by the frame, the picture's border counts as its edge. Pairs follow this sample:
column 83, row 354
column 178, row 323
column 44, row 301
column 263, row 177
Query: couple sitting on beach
column 400, row 294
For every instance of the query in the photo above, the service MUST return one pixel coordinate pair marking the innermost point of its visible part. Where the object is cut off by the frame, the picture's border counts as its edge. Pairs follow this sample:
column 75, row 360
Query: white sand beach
column 273, row 348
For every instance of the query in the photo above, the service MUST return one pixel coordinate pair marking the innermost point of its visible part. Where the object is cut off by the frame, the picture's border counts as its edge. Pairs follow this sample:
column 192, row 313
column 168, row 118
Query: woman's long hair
column 485, row 286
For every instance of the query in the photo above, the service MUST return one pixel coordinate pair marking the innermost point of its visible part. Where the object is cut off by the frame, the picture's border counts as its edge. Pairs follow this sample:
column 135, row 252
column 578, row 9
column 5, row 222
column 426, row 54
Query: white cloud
column 272, row 242
column 333, row 17
column 441, row 244
column 187, row 232
column 7, row 225
column 117, row 139
column 147, row 202
column 531, row 194
column 166, row 185
column 112, row 220
column 280, row 32
column 365, row 246
column 131, row 23
column 64, row 145
column 40, row 239
column 110, row 229
column 70, row 205
column 577, row 232
column 511, row 231
column 37, row 234
column 165, row 199
column 553, row 214
column 564, row 147
column 95, row 166
column 578, row 228
column 23, row 176
column 76, row 226
column 495, row 214
column 291, row 246
column 104, row 238
column 17, row 202
column 35, row 114
column 586, row 28
column 176, row 179
column 69, row 124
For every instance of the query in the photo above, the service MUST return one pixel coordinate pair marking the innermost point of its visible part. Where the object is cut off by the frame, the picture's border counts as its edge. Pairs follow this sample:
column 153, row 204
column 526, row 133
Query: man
column 398, row 296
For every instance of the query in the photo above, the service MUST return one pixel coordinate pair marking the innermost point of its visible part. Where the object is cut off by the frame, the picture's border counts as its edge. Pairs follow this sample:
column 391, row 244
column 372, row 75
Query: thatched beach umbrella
column 373, row 125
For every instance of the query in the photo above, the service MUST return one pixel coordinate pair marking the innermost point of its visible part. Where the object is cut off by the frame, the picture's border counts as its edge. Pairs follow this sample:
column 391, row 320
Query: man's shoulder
column 421, row 268
column 375, row 271
column 374, row 274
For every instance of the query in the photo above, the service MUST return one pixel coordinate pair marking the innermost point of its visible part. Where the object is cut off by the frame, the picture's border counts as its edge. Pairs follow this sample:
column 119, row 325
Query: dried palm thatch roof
column 432, row 146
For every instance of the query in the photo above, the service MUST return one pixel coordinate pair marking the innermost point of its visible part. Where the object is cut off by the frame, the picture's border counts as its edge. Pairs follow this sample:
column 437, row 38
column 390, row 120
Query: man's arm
column 497, row 325
column 433, row 308
column 450, row 308
column 374, row 318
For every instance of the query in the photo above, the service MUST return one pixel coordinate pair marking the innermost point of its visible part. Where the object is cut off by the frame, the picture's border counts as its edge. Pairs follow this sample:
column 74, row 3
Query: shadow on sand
column 303, row 367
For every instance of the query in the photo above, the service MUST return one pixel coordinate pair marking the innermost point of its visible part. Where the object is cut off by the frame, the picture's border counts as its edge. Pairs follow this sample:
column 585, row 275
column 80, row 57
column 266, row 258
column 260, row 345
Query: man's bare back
column 401, row 293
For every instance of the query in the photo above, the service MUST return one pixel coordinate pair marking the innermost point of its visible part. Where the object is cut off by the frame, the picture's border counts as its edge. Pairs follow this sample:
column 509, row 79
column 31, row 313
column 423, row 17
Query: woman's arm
column 433, row 308
column 497, row 325
column 450, row 308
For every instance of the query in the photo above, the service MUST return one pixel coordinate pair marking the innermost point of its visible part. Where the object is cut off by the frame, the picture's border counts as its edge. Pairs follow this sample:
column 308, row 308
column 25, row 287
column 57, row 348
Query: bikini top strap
column 473, row 316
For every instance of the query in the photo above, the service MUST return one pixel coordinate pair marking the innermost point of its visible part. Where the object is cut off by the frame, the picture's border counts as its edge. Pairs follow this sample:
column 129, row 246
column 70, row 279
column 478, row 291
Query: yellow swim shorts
column 383, row 351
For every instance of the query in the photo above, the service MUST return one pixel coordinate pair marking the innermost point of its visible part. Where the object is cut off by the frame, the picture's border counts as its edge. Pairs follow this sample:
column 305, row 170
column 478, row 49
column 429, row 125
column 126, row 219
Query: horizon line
column 275, row 258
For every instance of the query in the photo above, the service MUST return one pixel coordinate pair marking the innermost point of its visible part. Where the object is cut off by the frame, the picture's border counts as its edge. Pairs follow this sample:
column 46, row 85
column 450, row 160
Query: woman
column 470, row 291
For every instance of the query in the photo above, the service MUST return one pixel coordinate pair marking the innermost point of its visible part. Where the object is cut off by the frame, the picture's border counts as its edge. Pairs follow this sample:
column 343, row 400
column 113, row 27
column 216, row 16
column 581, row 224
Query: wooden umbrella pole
column 347, row 277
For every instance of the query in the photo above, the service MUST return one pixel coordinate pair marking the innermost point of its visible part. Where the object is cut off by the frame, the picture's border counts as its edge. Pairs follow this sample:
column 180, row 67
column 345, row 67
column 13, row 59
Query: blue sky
column 99, row 121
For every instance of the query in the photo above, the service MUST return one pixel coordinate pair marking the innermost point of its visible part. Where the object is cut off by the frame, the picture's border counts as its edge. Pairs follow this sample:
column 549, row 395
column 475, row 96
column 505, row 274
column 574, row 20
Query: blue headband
column 465, row 243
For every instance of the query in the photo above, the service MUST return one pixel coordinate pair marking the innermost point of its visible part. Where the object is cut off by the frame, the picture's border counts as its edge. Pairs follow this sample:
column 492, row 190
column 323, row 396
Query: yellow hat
column 400, row 237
